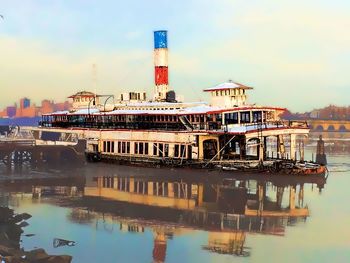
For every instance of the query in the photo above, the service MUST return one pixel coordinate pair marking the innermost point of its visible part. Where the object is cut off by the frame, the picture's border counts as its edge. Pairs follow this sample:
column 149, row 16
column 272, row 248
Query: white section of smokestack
column 161, row 57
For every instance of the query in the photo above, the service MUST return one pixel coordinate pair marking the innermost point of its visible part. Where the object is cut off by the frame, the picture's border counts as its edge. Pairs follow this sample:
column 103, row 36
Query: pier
column 17, row 149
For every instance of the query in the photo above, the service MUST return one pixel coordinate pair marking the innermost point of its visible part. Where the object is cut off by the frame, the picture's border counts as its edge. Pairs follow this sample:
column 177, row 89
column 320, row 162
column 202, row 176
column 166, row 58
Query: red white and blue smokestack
column 161, row 64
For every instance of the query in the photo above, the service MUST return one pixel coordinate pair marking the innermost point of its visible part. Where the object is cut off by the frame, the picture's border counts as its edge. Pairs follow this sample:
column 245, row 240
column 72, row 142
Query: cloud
column 295, row 53
column 132, row 35
column 31, row 68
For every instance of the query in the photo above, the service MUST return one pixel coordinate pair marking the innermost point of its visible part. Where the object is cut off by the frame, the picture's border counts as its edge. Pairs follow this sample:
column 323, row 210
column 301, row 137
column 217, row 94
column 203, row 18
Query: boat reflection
column 227, row 208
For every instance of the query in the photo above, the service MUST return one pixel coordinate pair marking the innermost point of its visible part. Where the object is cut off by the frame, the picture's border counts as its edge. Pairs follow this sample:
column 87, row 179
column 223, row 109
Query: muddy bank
column 10, row 233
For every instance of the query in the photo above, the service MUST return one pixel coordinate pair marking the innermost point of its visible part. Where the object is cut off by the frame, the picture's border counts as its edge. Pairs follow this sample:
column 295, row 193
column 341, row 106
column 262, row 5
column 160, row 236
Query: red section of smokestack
column 161, row 75
column 159, row 251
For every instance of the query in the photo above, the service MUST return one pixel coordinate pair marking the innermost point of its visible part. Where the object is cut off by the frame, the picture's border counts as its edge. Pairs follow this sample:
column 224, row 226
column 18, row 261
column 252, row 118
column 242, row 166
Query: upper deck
column 229, row 112
column 199, row 118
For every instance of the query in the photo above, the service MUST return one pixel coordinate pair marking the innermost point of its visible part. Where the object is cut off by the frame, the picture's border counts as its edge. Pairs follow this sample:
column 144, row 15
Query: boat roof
column 159, row 104
column 228, row 85
column 84, row 93
column 202, row 109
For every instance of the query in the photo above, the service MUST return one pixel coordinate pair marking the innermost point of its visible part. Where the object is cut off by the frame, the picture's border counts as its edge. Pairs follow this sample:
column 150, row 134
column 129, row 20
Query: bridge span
column 329, row 125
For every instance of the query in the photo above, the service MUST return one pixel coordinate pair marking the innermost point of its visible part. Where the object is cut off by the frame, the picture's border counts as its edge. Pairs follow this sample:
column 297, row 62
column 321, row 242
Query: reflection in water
column 229, row 207
column 335, row 142
column 167, row 207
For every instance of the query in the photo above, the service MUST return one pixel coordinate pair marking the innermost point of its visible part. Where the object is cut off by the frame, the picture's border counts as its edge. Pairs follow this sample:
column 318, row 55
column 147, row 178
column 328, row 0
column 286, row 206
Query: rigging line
column 219, row 151
column 137, row 64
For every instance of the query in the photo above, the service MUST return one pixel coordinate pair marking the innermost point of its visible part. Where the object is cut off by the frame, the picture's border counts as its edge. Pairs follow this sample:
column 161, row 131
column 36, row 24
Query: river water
column 133, row 214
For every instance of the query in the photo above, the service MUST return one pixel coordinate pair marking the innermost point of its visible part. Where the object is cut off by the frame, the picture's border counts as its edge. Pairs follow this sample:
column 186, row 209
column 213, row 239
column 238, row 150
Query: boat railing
column 277, row 124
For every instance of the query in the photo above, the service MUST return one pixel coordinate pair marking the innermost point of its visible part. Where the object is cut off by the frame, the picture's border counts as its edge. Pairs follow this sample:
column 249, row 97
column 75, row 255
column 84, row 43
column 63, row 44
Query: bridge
column 329, row 125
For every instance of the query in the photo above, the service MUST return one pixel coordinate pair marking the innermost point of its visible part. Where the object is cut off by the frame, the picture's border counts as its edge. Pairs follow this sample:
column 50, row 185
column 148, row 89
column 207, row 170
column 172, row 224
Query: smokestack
column 161, row 65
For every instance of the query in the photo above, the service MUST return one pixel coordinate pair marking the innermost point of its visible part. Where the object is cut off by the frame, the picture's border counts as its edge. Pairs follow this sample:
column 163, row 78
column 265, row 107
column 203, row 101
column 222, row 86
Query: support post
column 261, row 196
column 301, row 196
column 200, row 195
column 261, row 149
column 302, row 149
column 171, row 193
column 242, row 148
column 293, row 147
column 150, row 188
column 292, row 197
column 279, row 196
column 131, row 185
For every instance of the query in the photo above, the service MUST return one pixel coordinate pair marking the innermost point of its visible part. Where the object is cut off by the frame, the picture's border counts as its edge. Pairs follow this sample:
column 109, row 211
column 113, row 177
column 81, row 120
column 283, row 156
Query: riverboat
column 228, row 133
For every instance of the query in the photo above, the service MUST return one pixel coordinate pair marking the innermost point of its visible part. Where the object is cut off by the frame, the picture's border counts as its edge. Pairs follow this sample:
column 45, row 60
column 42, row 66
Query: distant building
column 330, row 112
column 28, row 110
column 24, row 103
column 61, row 106
column 11, row 111
column 46, row 106
column 315, row 114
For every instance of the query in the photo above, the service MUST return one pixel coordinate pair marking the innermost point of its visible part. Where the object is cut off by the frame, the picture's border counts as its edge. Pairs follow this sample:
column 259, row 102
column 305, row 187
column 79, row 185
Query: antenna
column 94, row 78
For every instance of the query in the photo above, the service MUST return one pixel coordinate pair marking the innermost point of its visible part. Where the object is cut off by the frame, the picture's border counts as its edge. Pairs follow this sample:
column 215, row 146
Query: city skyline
column 26, row 109
column 288, row 52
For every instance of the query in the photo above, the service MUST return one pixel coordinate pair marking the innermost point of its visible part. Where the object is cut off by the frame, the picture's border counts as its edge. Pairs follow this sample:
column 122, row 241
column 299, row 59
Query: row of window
column 116, row 147
column 180, row 190
column 232, row 118
column 228, row 92
column 82, row 99
column 113, row 118
column 143, row 148
column 147, row 108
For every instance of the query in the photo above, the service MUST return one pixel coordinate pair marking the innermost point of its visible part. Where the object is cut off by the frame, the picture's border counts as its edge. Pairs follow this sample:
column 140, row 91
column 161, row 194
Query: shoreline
column 11, row 225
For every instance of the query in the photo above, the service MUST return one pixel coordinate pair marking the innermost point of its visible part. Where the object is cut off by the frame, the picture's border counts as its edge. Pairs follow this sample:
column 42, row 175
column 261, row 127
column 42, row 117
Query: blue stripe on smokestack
column 160, row 39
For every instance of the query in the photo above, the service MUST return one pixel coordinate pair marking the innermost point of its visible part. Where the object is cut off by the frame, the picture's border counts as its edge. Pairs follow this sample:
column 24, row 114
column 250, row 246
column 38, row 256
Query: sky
column 296, row 54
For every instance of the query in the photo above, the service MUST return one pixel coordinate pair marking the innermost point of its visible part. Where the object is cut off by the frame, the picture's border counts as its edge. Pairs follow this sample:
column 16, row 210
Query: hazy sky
column 294, row 53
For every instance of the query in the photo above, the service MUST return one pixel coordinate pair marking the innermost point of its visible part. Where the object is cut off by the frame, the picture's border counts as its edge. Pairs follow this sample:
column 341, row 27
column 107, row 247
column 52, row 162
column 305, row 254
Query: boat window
column 141, row 148
column 176, row 151
column 183, row 151
column 112, row 146
column 136, row 147
column 128, row 147
column 104, row 146
column 166, row 150
column 161, row 149
column 123, row 147
column 245, row 117
column 146, row 148
column 189, row 151
column 231, row 118
column 257, row 116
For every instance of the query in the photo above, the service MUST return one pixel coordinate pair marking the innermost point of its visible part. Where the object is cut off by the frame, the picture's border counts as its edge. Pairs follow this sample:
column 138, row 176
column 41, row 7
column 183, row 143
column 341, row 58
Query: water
column 180, row 215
